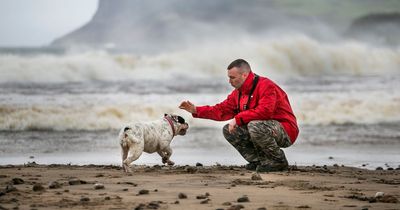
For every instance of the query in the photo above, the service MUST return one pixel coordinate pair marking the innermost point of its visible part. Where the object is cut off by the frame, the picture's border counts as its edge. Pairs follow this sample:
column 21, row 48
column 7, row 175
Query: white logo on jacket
column 150, row 137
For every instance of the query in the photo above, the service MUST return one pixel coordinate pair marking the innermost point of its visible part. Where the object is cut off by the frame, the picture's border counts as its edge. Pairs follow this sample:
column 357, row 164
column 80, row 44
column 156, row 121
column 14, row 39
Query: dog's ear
column 181, row 120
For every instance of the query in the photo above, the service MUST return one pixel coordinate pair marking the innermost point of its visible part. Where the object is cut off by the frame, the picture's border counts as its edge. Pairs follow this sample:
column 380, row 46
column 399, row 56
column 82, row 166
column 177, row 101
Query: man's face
column 236, row 79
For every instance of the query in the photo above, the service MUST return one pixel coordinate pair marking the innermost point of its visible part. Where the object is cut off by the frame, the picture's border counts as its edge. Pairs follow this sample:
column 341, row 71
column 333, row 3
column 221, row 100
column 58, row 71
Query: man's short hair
column 241, row 64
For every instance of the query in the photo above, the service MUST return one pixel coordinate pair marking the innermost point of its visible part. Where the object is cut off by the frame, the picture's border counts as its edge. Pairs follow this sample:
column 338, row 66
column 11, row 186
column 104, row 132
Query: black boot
column 252, row 165
column 273, row 165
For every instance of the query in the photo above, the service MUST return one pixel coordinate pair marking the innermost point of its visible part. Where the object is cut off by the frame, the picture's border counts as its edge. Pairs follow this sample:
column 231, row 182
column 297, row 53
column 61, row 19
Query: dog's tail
column 125, row 134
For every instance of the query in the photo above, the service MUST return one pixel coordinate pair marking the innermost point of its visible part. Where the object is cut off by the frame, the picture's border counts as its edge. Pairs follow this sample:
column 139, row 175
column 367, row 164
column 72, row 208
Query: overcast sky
column 38, row 22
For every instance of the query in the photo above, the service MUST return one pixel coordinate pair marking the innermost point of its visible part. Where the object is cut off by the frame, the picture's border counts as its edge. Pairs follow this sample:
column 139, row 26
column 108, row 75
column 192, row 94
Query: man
column 263, row 121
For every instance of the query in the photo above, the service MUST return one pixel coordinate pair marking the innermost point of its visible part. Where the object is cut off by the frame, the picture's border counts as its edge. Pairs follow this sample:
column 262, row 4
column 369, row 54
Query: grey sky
column 38, row 22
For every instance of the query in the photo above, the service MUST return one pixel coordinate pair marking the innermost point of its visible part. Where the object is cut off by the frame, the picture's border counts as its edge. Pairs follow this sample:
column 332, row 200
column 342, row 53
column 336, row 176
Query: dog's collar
column 171, row 124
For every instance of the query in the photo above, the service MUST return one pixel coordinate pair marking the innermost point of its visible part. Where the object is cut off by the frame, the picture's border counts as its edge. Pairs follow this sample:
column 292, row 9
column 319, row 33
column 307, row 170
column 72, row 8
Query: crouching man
column 263, row 121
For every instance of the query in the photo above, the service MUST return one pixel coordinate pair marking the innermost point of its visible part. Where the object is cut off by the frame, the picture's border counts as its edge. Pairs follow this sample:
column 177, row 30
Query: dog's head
column 179, row 123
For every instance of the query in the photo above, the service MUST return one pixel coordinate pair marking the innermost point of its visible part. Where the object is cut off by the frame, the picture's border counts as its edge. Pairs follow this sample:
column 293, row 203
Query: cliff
column 157, row 26
column 154, row 26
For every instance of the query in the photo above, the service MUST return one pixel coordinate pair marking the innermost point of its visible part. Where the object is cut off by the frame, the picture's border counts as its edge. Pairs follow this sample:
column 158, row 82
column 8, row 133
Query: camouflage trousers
column 259, row 141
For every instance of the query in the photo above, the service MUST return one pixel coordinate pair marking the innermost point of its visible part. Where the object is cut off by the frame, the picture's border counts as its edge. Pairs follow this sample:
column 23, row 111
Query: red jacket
column 268, row 102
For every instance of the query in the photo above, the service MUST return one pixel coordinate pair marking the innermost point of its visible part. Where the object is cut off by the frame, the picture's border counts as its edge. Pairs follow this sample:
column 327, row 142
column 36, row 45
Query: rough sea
column 68, row 106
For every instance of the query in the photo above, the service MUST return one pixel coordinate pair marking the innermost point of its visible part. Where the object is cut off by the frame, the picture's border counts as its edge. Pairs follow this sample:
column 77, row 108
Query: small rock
column 98, row 186
column 379, row 194
column 85, row 199
column 199, row 164
column 303, row 207
column 155, row 190
column 54, row 185
column 379, row 168
column 207, row 194
column 256, row 176
column 182, row 196
column 10, row 188
column 201, row 197
column 243, row 199
column 154, row 205
column 176, row 202
column 191, row 169
column 262, row 208
column 205, row 201
column 37, row 187
column 31, row 157
column 140, row 206
column 227, row 203
column 107, row 198
column 17, row 181
column 76, row 182
column 388, row 199
column 330, row 158
column 236, row 207
column 143, row 192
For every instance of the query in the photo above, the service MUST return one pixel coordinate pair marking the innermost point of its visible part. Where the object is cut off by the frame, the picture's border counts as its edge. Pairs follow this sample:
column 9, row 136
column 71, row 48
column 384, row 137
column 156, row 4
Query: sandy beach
column 33, row 186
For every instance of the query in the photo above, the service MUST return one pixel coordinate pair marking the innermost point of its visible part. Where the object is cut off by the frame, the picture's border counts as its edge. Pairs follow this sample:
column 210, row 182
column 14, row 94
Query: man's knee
column 259, row 128
column 225, row 131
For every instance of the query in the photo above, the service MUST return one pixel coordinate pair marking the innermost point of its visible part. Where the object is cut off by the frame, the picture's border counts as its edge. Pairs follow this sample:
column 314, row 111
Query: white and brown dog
column 150, row 137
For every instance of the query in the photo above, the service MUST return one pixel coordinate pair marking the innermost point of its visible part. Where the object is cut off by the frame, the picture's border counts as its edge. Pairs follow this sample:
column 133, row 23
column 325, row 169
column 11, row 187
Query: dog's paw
column 170, row 163
column 126, row 168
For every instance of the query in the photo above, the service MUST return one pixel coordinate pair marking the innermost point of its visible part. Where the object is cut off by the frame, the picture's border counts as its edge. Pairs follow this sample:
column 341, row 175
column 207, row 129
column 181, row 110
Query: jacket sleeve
column 264, row 109
column 219, row 112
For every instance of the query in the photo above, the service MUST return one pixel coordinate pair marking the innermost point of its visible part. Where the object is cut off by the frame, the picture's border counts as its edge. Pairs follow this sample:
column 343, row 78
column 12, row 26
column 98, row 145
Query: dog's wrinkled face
column 180, row 125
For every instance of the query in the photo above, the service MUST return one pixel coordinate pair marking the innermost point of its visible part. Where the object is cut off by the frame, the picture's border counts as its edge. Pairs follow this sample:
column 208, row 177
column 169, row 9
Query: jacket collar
column 248, row 83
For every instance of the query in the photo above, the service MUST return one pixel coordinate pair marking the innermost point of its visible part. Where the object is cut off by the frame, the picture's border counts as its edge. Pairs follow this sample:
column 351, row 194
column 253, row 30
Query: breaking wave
column 287, row 56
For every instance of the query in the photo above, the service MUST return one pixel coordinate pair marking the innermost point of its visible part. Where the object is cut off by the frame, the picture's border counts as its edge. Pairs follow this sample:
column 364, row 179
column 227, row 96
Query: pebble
column 205, row 201
column 76, row 182
column 10, row 188
column 379, row 194
column 182, row 196
column 199, row 164
column 227, row 203
column 379, row 168
column 262, row 208
column 201, row 197
column 98, row 186
column 37, row 187
column 143, row 192
column 154, row 205
column 243, row 199
column 256, row 176
column 388, row 199
column 236, row 207
column 17, row 181
column 191, row 169
column 54, row 185
column 85, row 199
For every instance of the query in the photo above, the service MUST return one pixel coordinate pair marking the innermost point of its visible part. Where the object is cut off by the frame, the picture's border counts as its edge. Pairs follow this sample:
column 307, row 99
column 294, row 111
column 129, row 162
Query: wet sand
column 33, row 186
